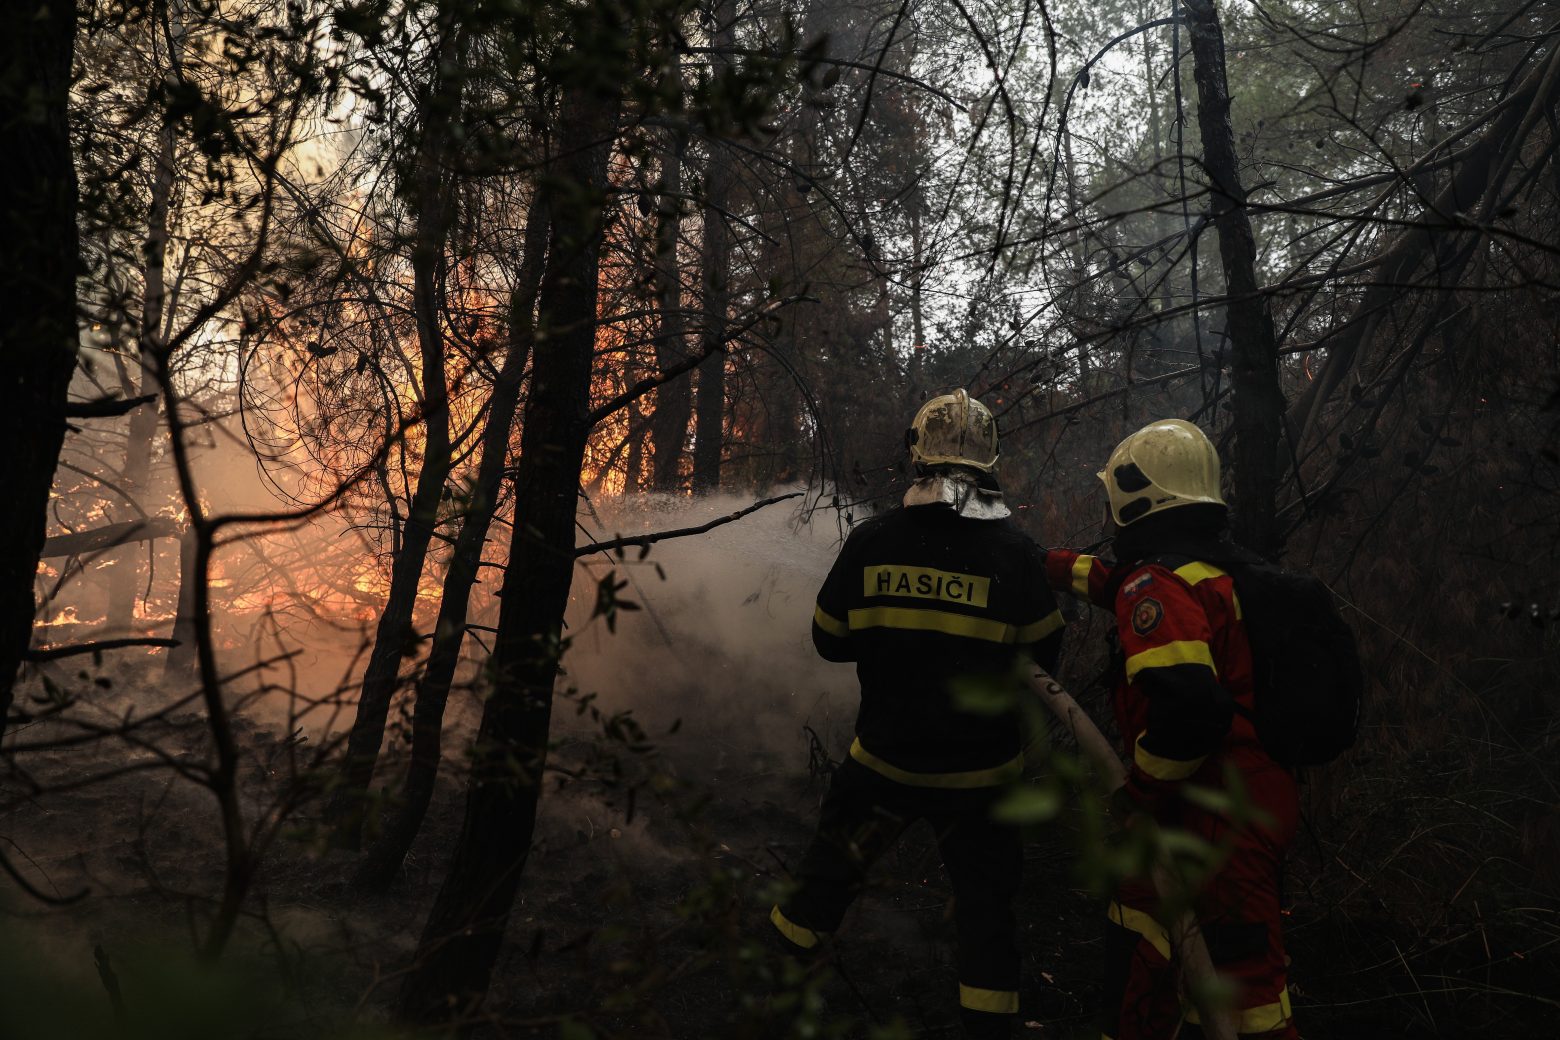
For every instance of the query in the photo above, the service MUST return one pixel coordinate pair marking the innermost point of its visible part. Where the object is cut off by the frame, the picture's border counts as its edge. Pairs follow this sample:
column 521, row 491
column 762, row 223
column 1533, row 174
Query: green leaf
column 1209, row 798
column 1028, row 804
column 984, row 695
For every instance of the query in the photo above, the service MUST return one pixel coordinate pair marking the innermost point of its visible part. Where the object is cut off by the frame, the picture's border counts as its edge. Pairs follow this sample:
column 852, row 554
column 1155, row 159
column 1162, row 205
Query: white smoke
column 723, row 641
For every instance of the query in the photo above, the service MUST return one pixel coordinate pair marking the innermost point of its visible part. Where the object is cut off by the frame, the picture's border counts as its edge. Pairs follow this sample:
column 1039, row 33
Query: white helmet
column 954, row 430
column 1166, row 464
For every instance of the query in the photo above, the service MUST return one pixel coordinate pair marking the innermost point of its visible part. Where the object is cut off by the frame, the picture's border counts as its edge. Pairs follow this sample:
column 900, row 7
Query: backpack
column 1309, row 683
column 1306, row 667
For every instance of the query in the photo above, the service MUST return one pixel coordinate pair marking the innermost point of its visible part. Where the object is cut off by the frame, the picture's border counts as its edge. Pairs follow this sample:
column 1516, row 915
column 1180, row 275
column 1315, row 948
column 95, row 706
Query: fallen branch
column 54, row 653
column 644, row 541
column 109, row 536
column 1185, row 937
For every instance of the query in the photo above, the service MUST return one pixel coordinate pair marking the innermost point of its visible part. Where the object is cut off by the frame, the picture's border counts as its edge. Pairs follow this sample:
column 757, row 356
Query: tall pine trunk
column 393, row 636
column 710, row 416
column 465, row 929
column 39, row 261
column 673, row 400
column 1258, row 400
column 384, row 858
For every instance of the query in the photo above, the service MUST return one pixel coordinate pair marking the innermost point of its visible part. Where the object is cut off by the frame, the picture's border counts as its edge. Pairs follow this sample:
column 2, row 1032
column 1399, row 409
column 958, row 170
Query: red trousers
column 1238, row 913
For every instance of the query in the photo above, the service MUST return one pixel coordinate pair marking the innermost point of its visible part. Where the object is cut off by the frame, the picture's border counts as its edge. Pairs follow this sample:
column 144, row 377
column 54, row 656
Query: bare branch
column 644, row 541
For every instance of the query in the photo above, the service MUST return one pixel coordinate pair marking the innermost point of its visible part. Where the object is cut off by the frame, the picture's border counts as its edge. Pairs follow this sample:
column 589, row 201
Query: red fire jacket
column 1187, row 665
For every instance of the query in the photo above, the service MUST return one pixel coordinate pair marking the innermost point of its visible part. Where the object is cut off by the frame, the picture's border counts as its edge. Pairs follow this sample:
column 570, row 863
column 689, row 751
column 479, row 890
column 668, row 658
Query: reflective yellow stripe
column 1164, row 768
column 1196, row 571
column 1182, row 651
column 917, row 619
column 829, row 623
column 1005, row 773
column 1040, row 629
column 996, row 1001
column 806, row 938
column 1143, row 924
column 1261, row 1019
column 1080, row 575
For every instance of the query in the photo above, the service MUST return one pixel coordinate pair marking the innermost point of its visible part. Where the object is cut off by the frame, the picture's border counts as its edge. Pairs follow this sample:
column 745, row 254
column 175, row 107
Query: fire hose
column 1186, row 939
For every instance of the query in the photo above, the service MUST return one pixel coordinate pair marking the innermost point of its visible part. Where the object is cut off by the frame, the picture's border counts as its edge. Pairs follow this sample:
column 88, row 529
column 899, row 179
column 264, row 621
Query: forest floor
column 655, row 925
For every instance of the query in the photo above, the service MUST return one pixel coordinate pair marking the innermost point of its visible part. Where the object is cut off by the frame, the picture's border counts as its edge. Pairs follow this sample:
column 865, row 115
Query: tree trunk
column 124, row 579
column 634, row 464
column 182, row 664
column 1077, row 298
column 673, row 400
column 709, row 431
column 384, row 858
column 465, row 929
column 39, row 260
column 393, row 636
column 916, row 204
column 1258, row 401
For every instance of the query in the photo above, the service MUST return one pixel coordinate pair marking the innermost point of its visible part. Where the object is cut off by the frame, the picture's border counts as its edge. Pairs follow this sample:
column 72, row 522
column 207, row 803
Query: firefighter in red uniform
column 1183, row 704
column 943, row 589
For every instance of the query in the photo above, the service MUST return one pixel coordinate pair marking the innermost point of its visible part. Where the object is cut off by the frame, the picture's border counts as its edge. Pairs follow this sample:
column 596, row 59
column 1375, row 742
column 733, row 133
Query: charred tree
column 1258, row 400
column 674, row 399
column 710, row 417
column 39, row 260
column 431, row 201
column 465, row 928
column 385, row 856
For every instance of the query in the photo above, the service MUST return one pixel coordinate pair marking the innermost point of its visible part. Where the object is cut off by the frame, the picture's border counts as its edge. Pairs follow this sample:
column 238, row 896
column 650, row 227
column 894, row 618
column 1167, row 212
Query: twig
column 645, row 540
column 106, row 407
column 27, row 886
column 713, row 345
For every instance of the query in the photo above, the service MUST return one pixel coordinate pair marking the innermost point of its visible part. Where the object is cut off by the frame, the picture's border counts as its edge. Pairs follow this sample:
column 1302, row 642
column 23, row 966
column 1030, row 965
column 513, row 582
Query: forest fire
column 542, row 501
column 67, row 616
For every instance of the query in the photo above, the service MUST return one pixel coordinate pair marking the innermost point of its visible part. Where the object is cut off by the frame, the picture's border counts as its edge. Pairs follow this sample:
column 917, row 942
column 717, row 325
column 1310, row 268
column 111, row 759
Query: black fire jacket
column 924, row 600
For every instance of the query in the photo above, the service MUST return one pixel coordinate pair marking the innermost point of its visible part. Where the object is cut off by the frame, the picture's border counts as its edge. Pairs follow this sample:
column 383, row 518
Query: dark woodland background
column 352, row 348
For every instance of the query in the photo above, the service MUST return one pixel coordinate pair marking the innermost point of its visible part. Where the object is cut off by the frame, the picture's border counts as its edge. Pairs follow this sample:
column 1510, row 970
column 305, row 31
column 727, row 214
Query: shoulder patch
column 1138, row 584
column 1146, row 616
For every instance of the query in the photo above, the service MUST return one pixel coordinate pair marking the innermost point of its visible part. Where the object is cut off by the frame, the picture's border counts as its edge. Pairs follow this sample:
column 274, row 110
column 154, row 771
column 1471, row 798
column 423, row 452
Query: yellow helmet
column 954, row 430
column 1166, row 464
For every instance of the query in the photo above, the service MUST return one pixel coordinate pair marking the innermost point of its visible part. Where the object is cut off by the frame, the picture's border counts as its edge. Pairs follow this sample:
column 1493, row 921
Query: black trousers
column 863, row 815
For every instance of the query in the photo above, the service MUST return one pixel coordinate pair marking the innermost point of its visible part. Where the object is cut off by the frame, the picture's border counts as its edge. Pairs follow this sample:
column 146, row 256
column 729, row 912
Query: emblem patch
column 1138, row 584
column 1146, row 616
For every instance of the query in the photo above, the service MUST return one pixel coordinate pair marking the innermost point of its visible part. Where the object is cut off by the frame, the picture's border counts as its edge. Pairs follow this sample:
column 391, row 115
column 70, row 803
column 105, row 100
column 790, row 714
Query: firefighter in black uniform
column 943, row 589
